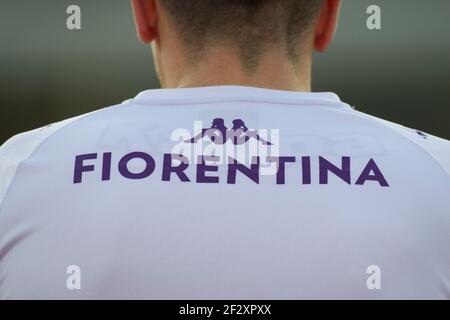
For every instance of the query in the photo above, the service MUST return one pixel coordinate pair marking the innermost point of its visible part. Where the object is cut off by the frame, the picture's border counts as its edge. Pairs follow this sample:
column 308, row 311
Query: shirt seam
column 33, row 152
column 423, row 150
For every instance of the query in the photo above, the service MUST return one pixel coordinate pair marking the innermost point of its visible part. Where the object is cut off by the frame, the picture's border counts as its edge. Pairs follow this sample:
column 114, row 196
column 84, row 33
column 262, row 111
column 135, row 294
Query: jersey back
column 225, row 193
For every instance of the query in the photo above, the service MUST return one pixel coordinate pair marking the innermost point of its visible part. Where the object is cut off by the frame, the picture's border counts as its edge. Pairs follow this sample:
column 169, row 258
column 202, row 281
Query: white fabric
column 436, row 147
column 20, row 148
column 286, row 237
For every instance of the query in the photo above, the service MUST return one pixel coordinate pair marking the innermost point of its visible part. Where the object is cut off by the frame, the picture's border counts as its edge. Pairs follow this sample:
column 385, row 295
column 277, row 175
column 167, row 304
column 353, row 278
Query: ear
column 327, row 24
column 145, row 18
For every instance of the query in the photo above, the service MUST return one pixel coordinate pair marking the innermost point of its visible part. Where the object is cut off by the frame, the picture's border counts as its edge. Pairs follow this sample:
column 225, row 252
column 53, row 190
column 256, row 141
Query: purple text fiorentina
column 371, row 173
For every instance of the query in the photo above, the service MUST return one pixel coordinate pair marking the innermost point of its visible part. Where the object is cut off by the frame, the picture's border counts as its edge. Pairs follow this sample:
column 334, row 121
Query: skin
column 222, row 65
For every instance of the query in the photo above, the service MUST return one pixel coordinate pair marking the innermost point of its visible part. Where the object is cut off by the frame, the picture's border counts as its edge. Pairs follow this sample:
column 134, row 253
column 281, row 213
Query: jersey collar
column 237, row 93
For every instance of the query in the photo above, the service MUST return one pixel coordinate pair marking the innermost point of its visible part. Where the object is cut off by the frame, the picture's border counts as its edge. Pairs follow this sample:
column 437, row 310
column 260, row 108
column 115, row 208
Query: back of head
column 251, row 26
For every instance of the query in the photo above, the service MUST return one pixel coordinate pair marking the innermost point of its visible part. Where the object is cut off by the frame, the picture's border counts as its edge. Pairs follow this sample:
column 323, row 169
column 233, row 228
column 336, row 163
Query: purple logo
column 176, row 166
column 220, row 134
column 423, row 135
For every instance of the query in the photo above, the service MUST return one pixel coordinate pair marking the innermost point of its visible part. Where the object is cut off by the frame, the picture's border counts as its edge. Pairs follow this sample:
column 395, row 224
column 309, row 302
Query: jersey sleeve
column 21, row 147
column 437, row 148
column 16, row 150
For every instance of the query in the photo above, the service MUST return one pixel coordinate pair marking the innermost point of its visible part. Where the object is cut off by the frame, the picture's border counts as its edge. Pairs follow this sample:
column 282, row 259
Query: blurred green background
column 48, row 73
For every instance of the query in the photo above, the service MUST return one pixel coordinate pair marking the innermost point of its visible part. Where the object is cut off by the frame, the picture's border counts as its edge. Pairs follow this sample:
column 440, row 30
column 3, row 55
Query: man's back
column 330, row 193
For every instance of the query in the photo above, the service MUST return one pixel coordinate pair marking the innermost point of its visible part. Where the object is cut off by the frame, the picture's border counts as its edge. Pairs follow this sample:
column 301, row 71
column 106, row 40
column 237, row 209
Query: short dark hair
column 250, row 25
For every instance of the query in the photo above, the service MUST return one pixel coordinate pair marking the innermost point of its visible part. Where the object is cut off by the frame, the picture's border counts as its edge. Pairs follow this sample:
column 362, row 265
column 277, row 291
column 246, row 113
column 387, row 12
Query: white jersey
column 225, row 192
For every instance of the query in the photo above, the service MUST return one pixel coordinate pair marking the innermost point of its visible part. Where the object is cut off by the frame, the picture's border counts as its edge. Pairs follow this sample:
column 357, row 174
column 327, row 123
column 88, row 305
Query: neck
column 222, row 66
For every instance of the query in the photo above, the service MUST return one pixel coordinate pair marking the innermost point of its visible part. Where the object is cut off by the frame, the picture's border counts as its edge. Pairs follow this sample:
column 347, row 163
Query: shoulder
column 21, row 147
column 436, row 147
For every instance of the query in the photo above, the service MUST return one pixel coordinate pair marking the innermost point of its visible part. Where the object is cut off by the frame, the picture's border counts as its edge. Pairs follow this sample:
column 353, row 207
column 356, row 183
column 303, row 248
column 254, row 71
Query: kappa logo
column 219, row 134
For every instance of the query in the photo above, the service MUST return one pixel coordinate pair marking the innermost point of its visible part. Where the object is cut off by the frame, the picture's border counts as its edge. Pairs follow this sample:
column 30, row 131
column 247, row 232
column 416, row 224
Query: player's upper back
column 202, row 193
